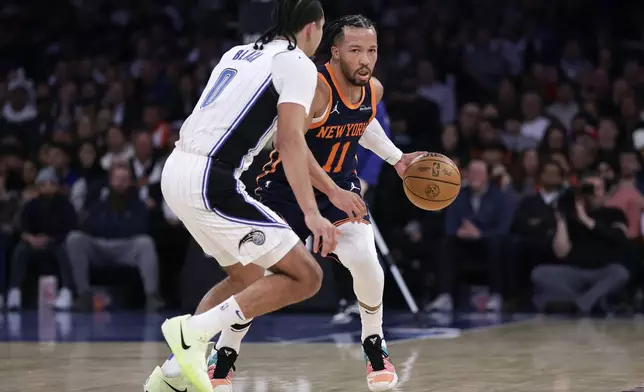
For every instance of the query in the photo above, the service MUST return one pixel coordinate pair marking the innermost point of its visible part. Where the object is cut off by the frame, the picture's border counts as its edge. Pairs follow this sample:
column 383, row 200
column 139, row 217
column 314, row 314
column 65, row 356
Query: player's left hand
column 349, row 202
column 406, row 161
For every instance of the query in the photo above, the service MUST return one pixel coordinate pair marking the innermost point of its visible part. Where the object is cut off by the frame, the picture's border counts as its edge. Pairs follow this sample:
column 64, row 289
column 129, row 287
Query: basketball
column 432, row 182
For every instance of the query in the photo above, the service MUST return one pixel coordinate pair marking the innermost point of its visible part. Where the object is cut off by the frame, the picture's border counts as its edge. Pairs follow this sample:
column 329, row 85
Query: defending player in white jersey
column 255, row 91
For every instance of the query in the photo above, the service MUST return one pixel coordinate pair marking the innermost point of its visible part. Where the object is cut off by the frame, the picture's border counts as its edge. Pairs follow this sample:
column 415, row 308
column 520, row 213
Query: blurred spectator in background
column 90, row 175
column 534, row 123
column 146, row 168
column 625, row 195
column 115, row 231
column 19, row 112
column 159, row 129
column 564, row 109
column 118, row 149
column 476, row 225
column 9, row 208
column 555, row 141
column 526, row 173
column 60, row 161
column 45, row 222
column 485, row 62
column 587, row 239
column 453, row 146
column 439, row 93
column 534, row 224
column 513, row 139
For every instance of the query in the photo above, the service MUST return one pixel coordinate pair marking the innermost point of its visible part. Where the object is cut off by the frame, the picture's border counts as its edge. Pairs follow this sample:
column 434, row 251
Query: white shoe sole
column 383, row 387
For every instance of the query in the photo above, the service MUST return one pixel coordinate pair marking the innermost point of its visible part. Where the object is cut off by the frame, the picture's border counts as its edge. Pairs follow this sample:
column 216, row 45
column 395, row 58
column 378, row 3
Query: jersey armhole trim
column 374, row 105
column 345, row 100
column 318, row 122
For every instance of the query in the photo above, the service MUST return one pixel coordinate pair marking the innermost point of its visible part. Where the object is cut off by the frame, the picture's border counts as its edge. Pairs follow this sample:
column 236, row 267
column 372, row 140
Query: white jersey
column 237, row 112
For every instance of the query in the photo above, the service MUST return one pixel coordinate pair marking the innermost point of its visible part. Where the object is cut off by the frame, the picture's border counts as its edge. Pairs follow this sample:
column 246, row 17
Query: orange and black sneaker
column 220, row 369
column 381, row 374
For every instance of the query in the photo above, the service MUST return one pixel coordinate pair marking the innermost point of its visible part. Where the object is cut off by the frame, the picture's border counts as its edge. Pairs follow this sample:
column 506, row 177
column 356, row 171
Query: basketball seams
column 424, row 198
column 432, row 179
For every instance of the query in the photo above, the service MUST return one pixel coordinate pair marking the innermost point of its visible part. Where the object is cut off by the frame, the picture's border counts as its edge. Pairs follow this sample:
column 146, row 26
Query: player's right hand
column 349, row 202
column 323, row 231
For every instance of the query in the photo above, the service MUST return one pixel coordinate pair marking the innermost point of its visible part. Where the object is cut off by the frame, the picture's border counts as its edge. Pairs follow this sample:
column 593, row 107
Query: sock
column 232, row 336
column 371, row 322
column 171, row 368
column 217, row 319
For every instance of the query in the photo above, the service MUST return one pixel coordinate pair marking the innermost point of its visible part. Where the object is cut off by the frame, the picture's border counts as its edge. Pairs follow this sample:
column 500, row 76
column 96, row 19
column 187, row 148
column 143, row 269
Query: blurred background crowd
column 540, row 102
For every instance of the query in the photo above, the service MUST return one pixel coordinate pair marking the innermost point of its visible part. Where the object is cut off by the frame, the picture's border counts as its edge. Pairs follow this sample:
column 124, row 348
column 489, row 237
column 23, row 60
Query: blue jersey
column 333, row 140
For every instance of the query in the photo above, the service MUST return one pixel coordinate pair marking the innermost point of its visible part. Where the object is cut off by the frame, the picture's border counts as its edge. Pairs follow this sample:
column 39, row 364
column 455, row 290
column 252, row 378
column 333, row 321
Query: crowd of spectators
column 538, row 101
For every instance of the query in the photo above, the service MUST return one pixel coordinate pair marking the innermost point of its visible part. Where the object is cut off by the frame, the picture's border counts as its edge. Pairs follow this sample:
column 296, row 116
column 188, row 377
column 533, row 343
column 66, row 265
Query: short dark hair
column 550, row 162
column 289, row 17
column 334, row 31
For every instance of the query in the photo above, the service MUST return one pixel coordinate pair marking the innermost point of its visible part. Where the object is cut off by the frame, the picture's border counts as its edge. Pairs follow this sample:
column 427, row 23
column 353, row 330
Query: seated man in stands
column 45, row 221
column 589, row 240
column 476, row 226
column 115, row 232
column 534, row 226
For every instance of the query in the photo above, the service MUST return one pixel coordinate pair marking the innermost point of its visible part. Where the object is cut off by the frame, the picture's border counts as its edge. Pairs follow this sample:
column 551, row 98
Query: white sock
column 371, row 322
column 232, row 336
column 218, row 318
column 171, row 368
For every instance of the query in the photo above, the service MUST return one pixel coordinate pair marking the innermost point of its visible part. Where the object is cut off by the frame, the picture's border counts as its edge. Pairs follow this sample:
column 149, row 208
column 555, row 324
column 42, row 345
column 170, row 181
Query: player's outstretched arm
column 375, row 139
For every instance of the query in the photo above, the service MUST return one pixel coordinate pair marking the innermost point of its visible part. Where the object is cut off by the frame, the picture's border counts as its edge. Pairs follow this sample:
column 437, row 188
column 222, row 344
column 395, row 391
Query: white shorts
column 228, row 224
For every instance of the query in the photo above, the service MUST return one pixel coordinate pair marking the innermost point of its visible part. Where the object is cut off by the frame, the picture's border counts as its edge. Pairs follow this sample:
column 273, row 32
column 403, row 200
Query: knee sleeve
column 356, row 250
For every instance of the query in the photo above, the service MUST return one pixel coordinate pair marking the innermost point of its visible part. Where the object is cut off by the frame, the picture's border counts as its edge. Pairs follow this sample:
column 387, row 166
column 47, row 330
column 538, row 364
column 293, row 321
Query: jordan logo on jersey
column 335, row 109
column 353, row 186
column 255, row 236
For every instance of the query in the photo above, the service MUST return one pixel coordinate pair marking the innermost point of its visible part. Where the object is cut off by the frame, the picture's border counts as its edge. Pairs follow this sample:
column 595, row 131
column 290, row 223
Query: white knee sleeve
column 357, row 252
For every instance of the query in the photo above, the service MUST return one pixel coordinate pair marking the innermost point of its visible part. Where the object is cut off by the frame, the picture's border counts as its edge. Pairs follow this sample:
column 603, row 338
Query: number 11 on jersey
column 334, row 151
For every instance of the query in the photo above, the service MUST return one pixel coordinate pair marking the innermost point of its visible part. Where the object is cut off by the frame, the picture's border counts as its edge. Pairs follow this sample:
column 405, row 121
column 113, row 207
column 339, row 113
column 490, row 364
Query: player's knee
column 362, row 261
column 243, row 276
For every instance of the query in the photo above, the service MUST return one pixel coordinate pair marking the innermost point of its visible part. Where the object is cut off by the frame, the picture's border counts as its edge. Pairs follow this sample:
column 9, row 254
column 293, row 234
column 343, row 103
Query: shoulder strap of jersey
column 318, row 122
column 374, row 103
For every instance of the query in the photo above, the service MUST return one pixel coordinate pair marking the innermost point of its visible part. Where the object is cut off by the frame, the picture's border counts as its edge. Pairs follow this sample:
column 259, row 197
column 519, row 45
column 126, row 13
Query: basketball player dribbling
column 255, row 92
column 342, row 112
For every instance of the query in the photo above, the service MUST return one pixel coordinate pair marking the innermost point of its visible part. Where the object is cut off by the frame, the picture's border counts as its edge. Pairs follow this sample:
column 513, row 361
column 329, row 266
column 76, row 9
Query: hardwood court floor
column 540, row 355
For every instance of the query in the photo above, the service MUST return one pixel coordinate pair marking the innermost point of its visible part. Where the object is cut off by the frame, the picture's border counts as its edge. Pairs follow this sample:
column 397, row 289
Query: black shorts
column 279, row 198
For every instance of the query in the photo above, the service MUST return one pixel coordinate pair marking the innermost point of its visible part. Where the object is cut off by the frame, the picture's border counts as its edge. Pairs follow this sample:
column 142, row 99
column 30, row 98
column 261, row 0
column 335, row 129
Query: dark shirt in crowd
column 602, row 245
column 52, row 216
column 535, row 223
column 117, row 217
column 492, row 216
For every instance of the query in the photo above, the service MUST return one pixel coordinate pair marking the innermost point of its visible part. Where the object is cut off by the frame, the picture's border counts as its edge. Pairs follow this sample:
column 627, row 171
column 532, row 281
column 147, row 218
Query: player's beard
column 351, row 75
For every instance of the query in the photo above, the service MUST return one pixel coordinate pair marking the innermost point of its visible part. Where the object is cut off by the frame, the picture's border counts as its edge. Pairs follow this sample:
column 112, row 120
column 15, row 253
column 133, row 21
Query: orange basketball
column 432, row 182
